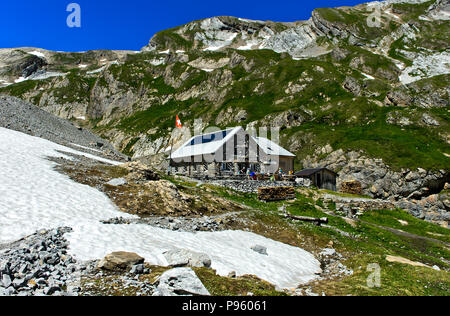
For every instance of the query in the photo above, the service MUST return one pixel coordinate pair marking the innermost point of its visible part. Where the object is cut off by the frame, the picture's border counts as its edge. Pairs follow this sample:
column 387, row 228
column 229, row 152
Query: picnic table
column 289, row 178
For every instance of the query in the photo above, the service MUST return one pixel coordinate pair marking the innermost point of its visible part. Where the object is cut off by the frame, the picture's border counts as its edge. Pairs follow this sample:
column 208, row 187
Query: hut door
column 319, row 181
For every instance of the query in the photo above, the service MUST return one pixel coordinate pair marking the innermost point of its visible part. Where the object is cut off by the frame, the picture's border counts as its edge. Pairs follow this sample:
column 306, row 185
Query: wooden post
column 170, row 159
column 317, row 221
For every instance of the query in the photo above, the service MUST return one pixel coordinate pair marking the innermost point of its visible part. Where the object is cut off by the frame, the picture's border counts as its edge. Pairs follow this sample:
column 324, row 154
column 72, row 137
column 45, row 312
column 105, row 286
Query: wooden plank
column 317, row 221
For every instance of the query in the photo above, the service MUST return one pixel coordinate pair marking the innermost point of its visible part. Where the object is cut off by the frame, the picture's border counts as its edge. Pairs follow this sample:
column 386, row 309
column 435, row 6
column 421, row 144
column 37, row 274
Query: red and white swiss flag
column 178, row 123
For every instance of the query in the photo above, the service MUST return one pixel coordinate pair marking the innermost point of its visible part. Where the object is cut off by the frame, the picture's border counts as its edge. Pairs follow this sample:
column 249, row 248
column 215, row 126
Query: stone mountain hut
column 229, row 153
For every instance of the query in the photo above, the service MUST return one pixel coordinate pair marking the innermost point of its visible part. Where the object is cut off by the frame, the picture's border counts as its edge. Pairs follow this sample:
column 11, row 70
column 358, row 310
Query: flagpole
column 171, row 147
column 170, row 157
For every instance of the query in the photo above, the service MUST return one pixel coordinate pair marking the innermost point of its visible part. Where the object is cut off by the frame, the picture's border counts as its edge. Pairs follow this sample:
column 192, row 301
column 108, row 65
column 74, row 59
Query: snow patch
column 425, row 18
column 96, row 71
column 34, row 196
column 37, row 53
column 367, row 76
column 82, row 66
column 45, row 75
column 21, row 79
column 84, row 147
column 399, row 65
column 389, row 12
column 249, row 45
column 157, row 62
column 248, row 21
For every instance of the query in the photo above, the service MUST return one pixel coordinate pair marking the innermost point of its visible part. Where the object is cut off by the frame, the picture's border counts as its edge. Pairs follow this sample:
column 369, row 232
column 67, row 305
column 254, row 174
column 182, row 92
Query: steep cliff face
column 371, row 78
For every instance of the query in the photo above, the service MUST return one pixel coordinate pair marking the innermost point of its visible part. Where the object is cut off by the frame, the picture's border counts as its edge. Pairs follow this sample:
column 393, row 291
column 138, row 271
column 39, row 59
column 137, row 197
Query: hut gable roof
column 210, row 143
column 310, row 172
column 271, row 148
column 205, row 144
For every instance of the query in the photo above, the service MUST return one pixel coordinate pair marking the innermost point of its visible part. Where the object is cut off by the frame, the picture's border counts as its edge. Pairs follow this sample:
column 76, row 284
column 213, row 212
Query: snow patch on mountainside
column 96, row 71
column 37, row 53
column 367, row 76
column 20, row 79
column 42, row 75
column 157, row 62
column 34, row 196
column 249, row 45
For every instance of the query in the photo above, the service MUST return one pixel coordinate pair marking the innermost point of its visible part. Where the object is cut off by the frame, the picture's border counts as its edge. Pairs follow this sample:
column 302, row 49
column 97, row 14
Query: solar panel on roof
column 209, row 138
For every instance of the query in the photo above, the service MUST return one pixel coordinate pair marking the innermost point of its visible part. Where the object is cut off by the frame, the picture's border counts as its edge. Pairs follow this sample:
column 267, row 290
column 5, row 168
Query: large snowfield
column 34, row 196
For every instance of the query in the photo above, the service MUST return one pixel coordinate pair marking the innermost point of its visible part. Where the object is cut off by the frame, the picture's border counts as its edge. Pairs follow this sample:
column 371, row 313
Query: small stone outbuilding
column 321, row 178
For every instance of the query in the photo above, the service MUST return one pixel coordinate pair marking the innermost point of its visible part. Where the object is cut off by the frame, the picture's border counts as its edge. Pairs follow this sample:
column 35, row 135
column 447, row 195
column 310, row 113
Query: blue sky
column 129, row 24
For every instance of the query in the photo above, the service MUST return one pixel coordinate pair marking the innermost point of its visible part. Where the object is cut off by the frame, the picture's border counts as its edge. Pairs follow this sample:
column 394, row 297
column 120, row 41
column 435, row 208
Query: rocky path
column 183, row 224
column 345, row 199
column 390, row 229
column 406, row 234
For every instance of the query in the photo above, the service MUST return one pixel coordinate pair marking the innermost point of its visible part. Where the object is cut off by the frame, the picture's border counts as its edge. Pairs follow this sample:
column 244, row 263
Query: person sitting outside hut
column 253, row 175
column 279, row 175
column 272, row 178
column 249, row 174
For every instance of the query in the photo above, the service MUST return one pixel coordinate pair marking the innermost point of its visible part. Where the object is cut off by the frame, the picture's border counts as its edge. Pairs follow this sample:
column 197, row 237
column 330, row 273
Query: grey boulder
column 6, row 280
column 260, row 249
column 184, row 257
column 18, row 283
column 137, row 269
column 180, row 282
column 117, row 182
column 120, row 261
